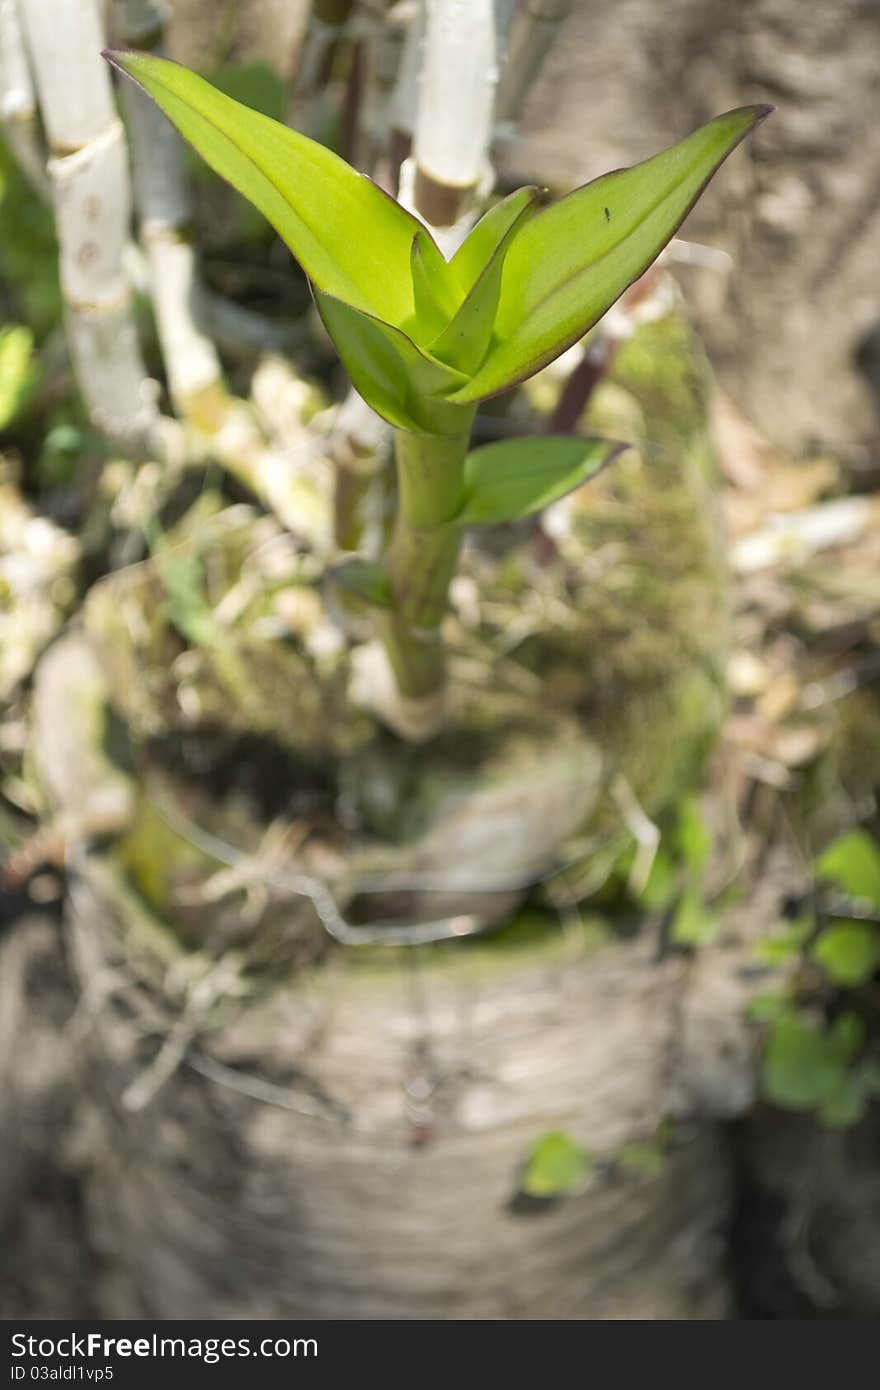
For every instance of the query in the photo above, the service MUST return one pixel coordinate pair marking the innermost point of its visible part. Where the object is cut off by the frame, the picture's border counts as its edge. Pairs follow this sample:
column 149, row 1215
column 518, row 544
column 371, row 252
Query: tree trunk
column 373, row 1171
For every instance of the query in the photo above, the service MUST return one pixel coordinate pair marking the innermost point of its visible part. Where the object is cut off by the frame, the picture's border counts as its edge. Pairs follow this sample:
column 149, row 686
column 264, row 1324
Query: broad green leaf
column 480, row 243
column 852, row 863
column 571, row 262
column 465, row 339
column 389, row 371
column 848, row 952
column 805, row 1067
column 351, row 239
column 556, row 1166
column 514, row 478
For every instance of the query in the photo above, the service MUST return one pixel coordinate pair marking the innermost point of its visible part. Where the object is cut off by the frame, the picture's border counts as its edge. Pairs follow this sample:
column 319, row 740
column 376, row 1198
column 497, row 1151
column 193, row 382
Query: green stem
column 422, row 556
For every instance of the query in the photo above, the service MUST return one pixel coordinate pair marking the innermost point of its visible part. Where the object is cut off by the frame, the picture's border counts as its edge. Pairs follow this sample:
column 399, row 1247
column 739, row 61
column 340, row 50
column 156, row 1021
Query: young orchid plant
column 425, row 339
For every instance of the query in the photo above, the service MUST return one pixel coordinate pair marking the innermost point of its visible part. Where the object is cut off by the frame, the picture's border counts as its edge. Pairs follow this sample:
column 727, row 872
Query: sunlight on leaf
column 510, row 480
column 556, row 1167
column 351, row 239
column 806, row 1067
column 848, row 952
column 572, row 260
column 852, row 864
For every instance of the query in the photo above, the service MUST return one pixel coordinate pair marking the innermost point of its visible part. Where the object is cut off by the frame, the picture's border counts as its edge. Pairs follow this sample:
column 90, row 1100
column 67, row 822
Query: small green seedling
column 424, row 339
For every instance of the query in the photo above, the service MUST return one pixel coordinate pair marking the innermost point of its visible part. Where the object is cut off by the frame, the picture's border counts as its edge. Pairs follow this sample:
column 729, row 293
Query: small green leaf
column 16, row 370
column 693, row 923
column 514, row 478
column 573, row 259
column 848, row 1104
column 659, row 890
column 479, row 245
column 183, row 577
column 776, row 949
column 393, row 375
column 466, row 337
column 852, row 864
column 805, row 1067
column 433, row 290
column 848, row 952
column 694, row 839
column 351, row 239
column 556, row 1166
column 767, row 1007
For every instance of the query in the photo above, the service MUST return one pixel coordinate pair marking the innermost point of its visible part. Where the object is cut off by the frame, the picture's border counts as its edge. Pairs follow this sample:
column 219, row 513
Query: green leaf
column 556, row 1166
column 433, row 290
column 767, row 1007
column 514, row 478
column 693, row 923
column 662, row 881
column 848, row 1104
column 480, row 243
column 848, row 952
column 351, row 239
column 465, row 340
column 804, row 1067
column 571, row 262
column 182, row 577
column 391, row 373
column 852, row 864
column 17, row 370
column 694, row 839
column 776, row 949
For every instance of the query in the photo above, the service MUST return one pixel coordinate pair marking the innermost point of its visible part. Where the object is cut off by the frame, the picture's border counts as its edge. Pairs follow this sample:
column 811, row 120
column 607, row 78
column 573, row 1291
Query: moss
column 630, row 629
column 844, row 777
column 534, row 937
column 154, row 858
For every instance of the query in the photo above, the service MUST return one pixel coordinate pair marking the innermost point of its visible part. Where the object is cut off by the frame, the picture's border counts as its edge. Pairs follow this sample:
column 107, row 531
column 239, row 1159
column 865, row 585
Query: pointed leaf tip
column 350, row 237
column 573, row 259
column 515, row 478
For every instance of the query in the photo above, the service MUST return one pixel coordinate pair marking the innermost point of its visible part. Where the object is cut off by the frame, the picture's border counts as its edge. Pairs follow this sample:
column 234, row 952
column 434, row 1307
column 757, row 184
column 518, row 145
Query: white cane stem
column 164, row 212
column 18, row 102
column 88, row 173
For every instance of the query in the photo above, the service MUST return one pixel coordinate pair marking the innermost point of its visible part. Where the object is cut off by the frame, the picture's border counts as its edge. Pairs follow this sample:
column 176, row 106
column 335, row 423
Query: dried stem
column 325, row 33
column 164, row 209
column 535, row 28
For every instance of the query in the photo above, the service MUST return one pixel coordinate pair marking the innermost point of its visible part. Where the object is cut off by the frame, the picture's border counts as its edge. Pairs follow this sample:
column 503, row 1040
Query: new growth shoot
column 425, row 339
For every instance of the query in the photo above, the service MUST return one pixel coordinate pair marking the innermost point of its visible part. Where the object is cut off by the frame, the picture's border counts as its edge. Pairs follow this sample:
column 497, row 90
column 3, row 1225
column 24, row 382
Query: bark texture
column 376, row 1172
